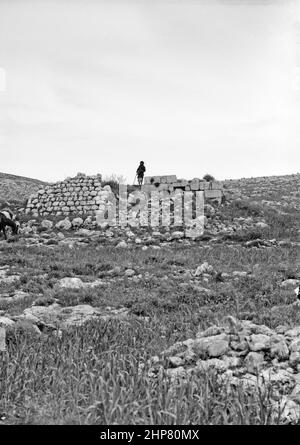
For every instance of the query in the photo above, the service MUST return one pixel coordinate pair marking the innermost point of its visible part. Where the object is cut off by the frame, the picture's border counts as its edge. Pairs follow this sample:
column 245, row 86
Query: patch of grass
column 94, row 375
column 246, row 208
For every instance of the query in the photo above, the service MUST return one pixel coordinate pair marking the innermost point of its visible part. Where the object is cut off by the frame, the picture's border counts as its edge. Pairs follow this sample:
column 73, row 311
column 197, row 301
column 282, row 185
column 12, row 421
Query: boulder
column 217, row 348
column 46, row 224
column 70, row 283
column 295, row 332
column 175, row 361
column 129, row 272
column 254, row 362
column 76, row 283
column 64, row 224
column 84, row 232
column 262, row 225
column 5, row 322
column 259, row 342
column 212, row 364
column 65, row 317
column 213, row 346
column 122, row 245
column 77, row 222
column 204, row 268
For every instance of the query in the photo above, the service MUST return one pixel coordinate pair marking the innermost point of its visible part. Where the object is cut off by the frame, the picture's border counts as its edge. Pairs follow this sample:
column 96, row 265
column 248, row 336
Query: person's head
column 142, row 162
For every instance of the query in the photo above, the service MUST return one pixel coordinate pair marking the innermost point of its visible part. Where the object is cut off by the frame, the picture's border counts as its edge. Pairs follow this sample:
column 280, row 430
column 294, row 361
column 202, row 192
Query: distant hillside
column 277, row 191
column 16, row 189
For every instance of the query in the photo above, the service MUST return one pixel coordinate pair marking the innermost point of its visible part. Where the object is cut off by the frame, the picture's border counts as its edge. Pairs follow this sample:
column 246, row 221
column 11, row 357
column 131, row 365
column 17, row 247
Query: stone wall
column 85, row 195
column 212, row 190
column 73, row 195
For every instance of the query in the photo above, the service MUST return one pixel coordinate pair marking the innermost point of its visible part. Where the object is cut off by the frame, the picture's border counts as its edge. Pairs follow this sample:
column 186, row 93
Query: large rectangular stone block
column 204, row 185
column 195, row 184
column 171, row 178
column 182, row 182
column 213, row 194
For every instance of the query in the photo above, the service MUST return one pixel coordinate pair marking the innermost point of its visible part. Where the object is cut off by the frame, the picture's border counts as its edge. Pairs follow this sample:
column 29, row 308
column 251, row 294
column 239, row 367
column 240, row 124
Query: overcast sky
column 189, row 86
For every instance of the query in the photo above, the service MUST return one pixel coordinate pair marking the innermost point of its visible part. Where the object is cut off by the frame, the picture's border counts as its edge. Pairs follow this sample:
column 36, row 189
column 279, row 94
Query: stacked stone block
column 212, row 190
column 73, row 195
column 84, row 194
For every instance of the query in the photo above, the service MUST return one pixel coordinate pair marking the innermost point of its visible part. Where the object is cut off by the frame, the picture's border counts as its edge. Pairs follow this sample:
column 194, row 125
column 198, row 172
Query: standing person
column 140, row 173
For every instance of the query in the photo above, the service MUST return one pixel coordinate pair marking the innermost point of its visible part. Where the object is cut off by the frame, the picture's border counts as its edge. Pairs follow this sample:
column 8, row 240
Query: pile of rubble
column 53, row 319
column 85, row 194
column 241, row 353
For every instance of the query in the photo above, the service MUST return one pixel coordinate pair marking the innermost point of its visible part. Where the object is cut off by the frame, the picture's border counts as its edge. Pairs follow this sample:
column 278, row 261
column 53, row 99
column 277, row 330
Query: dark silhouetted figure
column 140, row 173
column 5, row 220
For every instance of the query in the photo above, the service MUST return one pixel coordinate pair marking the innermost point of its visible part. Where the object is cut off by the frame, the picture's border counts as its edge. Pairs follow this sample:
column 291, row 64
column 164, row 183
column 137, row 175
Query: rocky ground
column 277, row 191
column 110, row 325
column 243, row 354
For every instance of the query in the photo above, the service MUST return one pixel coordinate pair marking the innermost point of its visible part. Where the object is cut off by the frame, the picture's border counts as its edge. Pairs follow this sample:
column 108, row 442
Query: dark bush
column 208, row 178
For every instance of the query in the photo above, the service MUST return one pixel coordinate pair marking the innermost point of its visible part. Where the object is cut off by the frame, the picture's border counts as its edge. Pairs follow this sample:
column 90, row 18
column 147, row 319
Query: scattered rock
column 204, row 268
column 295, row 332
column 254, row 362
column 64, row 224
column 240, row 274
column 77, row 222
column 70, row 283
column 262, row 225
column 76, row 283
column 241, row 352
column 122, row 245
column 84, row 232
column 129, row 272
column 46, row 224
column 213, row 346
column 5, row 321
column 259, row 342
column 64, row 317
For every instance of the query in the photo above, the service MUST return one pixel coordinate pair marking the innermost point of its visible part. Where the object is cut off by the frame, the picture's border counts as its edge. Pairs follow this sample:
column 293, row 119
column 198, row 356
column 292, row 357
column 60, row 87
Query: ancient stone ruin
column 87, row 195
column 212, row 190
column 73, row 195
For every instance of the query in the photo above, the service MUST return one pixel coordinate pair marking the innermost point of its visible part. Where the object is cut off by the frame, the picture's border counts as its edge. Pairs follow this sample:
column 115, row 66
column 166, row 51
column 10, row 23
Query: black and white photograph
column 149, row 216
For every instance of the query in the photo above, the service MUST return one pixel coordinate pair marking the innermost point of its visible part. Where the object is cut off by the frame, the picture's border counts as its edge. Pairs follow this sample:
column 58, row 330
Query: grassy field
column 99, row 374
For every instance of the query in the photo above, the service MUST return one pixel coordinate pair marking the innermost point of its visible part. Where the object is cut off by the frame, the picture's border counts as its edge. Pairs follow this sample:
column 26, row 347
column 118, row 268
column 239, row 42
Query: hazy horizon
column 189, row 87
